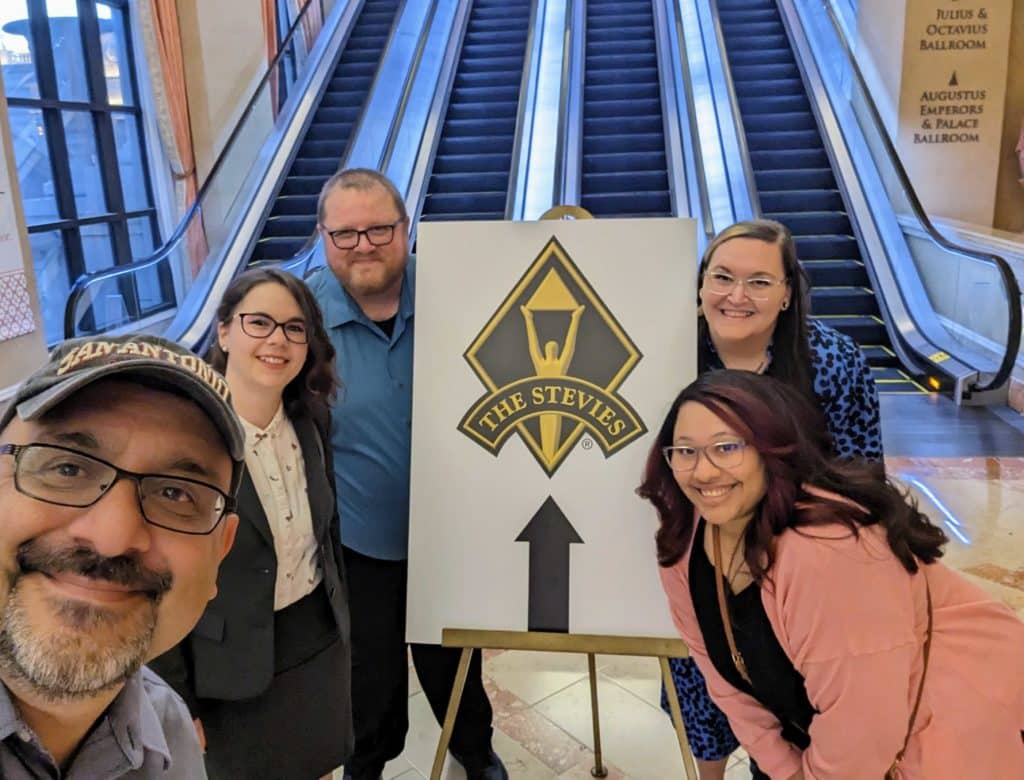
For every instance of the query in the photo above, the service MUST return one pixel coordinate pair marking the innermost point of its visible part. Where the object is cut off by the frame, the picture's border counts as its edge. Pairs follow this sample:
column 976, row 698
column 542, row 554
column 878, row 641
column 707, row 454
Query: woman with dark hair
column 809, row 591
column 266, row 671
column 754, row 299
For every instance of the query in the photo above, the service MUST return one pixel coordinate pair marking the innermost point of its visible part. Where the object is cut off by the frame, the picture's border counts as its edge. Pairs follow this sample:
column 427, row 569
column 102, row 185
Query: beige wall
column 19, row 356
column 1010, row 192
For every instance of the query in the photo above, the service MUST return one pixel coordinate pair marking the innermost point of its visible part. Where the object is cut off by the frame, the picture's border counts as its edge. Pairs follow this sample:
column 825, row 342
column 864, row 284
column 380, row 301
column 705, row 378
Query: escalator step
column 762, row 42
column 482, row 110
column 336, row 114
column 604, row 183
column 836, row 273
column 827, row 248
column 880, row 357
column 288, row 226
column 746, row 16
column 863, row 330
column 624, row 162
column 295, row 205
column 465, row 128
column 757, row 57
column 303, row 185
column 762, row 72
column 789, row 159
column 486, row 94
column 753, row 29
column 772, row 104
column 328, row 131
column 640, row 142
column 813, row 223
column 618, row 92
column 843, row 301
column 807, row 179
column 769, row 87
column 276, row 248
column 783, row 139
column 781, row 122
column 451, row 202
column 610, row 125
column 633, row 202
column 801, row 200
column 621, row 61
column 615, row 46
column 624, row 76
column 471, row 163
column 465, row 182
column 314, row 166
column 472, row 145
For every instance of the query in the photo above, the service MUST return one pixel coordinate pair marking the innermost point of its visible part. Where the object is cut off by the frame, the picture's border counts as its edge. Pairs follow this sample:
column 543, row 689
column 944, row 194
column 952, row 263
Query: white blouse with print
column 274, row 460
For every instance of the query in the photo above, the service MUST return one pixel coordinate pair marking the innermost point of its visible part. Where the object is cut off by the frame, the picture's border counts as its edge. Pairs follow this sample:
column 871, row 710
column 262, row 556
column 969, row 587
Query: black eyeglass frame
column 241, row 321
column 360, row 233
column 16, row 450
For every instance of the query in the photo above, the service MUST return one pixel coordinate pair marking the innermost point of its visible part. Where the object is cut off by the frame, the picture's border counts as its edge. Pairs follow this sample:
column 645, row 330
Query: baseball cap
column 150, row 360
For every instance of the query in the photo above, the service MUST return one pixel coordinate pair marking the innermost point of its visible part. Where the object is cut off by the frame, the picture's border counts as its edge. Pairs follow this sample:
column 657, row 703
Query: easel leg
column 677, row 719
column 598, row 770
column 453, row 710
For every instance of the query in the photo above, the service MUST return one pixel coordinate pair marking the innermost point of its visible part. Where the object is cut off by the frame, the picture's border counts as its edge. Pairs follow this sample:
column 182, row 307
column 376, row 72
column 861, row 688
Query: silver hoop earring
column 785, row 305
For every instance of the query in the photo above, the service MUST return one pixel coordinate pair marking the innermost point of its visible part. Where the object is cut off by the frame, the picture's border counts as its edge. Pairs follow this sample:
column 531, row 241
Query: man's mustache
column 125, row 570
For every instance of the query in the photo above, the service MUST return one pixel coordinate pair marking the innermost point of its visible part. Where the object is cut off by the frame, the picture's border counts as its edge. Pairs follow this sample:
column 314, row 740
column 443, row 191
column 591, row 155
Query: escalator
column 796, row 184
column 292, row 217
column 624, row 167
column 471, row 168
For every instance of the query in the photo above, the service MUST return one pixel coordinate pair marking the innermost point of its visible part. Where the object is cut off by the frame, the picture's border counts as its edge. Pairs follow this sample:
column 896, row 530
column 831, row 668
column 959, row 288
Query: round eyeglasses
column 723, row 454
column 67, row 477
column 377, row 235
column 260, row 326
column 757, row 288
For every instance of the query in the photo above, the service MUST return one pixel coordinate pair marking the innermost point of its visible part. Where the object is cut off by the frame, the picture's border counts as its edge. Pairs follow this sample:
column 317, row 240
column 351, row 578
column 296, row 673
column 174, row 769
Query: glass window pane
column 114, row 43
column 98, row 249
column 32, row 157
column 16, row 57
column 68, row 59
column 86, row 175
column 130, row 161
column 51, row 268
column 140, row 234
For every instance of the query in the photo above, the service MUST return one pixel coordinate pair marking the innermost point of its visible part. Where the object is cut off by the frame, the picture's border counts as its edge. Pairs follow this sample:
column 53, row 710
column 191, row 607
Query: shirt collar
column 136, row 725
column 133, row 722
column 341, row 309
column 255, row 433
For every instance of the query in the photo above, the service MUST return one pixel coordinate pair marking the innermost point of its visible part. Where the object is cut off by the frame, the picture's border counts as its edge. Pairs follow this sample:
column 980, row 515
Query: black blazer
column 230, row 652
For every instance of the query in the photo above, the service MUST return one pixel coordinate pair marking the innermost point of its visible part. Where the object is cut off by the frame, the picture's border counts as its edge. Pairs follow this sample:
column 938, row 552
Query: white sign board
column 547, row 354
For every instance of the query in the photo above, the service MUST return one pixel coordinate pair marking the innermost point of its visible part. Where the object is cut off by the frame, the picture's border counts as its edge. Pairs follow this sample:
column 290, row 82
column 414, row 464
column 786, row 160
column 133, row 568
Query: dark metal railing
column 85, row 282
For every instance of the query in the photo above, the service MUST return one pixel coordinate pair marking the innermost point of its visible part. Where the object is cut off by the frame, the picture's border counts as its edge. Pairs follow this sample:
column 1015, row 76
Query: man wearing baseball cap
column 118, row 463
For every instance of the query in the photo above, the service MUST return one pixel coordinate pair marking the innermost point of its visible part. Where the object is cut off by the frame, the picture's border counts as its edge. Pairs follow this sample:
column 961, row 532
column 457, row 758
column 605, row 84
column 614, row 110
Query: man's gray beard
column 69, row 664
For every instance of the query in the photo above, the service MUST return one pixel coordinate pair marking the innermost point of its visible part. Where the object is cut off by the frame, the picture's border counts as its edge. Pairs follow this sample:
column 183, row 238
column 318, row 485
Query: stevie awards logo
column 552, row 357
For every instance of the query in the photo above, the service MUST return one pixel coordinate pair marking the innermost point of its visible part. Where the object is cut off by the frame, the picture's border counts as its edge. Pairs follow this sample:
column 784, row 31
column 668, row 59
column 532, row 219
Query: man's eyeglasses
column 723, row 454
column 260, row 326
column 377, row 235
column 757, row 288
column 66, row 477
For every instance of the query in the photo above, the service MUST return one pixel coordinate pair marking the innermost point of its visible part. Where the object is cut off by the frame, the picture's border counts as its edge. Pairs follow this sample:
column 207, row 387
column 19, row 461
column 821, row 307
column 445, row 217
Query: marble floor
column 541, row 701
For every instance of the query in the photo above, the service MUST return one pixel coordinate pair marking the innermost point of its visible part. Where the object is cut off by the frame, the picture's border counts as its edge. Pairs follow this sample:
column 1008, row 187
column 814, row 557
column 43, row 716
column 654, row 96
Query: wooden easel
column 591, row 645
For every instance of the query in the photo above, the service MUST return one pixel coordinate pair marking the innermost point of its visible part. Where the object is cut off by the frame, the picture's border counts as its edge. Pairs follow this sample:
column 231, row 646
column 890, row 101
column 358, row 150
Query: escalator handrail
column 734, row 110
column 524, row 92
column 85, row 281
column 1013, row 337
column 707, row 224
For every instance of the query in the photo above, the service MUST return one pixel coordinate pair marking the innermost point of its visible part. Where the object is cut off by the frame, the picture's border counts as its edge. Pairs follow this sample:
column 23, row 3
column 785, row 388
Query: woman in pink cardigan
column 830, row 625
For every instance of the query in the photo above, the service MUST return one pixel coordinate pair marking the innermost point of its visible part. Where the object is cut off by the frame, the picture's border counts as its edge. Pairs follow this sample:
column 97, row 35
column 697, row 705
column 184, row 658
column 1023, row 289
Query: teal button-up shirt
column 372, row 419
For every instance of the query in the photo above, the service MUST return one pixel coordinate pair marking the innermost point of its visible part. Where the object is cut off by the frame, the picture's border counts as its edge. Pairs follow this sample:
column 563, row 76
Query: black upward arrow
column 549, row 533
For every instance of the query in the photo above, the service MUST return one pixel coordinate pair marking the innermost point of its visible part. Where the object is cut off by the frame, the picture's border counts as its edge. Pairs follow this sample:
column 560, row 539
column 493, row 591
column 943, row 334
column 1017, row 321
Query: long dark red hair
column 787, row 431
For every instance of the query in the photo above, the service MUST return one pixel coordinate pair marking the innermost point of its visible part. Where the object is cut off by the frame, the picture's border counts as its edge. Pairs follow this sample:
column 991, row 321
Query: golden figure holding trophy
column 549, row 364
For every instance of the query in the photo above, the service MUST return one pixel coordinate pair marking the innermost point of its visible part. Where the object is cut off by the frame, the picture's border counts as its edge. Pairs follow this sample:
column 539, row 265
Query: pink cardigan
column 853, row 622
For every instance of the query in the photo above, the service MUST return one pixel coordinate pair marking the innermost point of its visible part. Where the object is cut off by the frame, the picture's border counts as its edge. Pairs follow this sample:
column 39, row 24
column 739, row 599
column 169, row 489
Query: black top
column 388, row 325
column 776, row 683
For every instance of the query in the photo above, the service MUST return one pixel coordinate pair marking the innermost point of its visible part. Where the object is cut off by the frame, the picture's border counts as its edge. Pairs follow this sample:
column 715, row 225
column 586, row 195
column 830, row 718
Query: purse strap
column 737, row 657
column 891, row 774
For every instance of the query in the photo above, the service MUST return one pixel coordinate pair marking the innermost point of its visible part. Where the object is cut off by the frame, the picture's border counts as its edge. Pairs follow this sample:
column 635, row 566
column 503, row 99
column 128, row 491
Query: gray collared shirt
column 146, row 732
